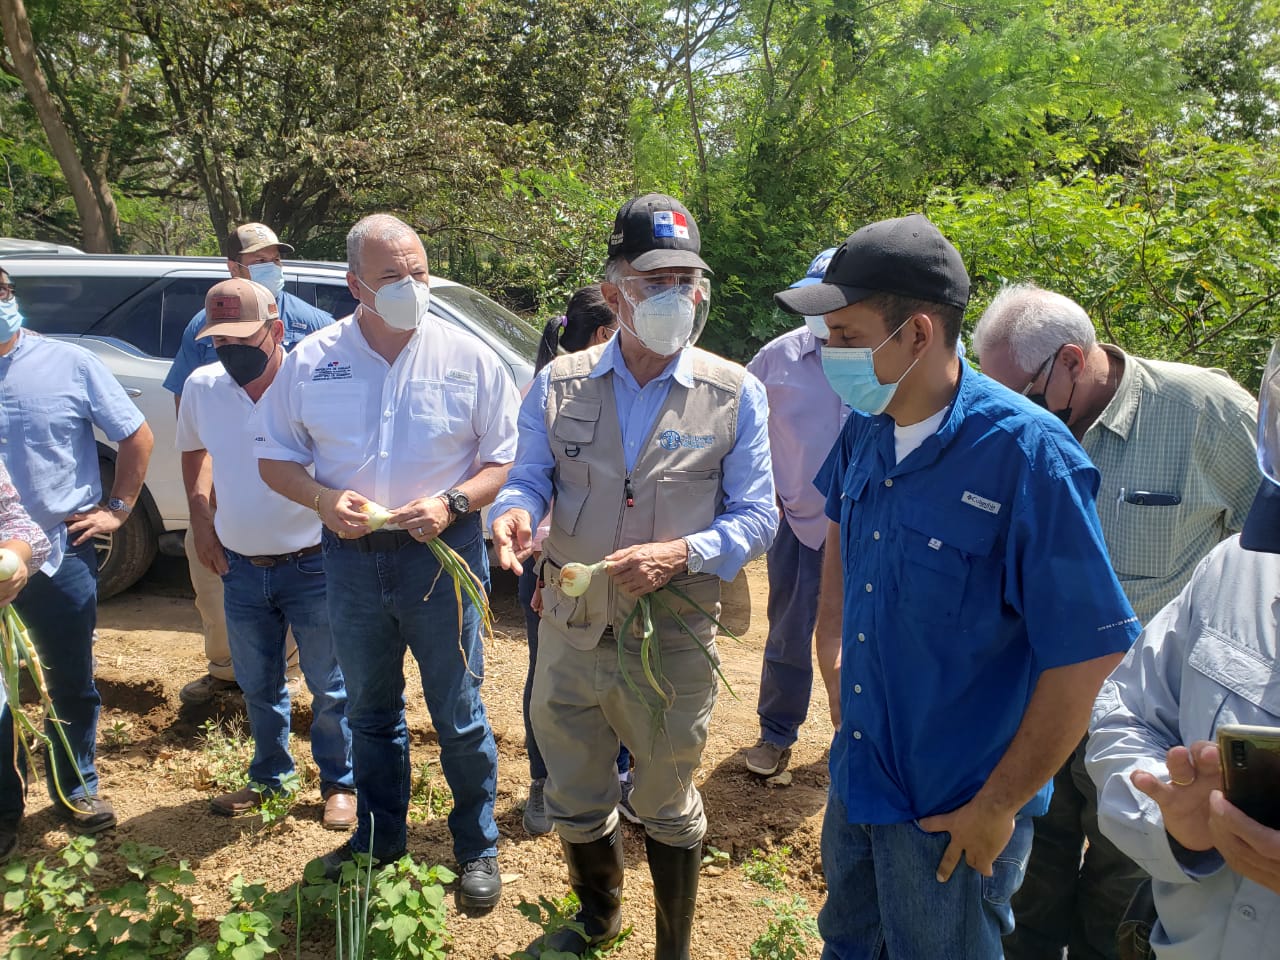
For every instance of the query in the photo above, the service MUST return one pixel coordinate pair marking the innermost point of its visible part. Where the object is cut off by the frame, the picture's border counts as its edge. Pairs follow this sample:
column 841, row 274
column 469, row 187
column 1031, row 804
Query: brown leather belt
column 274, row 559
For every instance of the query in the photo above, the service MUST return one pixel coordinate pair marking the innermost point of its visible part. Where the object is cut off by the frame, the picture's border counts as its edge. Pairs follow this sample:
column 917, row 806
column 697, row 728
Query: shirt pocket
column 685, row 502
column 941, row 553
column 334, row 415
column 1142, row 539
column 572, row 484
column 1236, row 686
column 49, row 421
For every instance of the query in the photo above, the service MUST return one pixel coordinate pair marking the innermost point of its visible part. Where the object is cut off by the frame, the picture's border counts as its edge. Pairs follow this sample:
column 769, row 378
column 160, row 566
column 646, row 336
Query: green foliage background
column 1122, row 153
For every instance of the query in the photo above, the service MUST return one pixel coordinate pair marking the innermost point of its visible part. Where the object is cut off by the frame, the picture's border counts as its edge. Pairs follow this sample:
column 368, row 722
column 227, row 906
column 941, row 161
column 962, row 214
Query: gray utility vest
column 675, row 489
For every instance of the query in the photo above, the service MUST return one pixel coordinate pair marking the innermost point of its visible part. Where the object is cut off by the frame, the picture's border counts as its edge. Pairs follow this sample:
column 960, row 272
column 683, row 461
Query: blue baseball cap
column 817, row 269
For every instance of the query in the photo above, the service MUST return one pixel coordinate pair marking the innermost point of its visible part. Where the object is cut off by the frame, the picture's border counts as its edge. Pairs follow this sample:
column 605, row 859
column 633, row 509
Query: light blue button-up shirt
column 750, row 519
column 1206, row 659
column 52, row 395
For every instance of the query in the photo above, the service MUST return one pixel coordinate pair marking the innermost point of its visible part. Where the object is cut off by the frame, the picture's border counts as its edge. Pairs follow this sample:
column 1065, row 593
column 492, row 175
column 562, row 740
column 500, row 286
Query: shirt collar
column 680, row 366
column 809, row 343
column 935, row 443
column 17, row 347
column 1118, row 415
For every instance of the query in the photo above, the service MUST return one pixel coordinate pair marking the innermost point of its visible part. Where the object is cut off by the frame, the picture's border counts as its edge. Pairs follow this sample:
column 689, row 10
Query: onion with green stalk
column 575, row 580
column 16, row 653
column 465, row 581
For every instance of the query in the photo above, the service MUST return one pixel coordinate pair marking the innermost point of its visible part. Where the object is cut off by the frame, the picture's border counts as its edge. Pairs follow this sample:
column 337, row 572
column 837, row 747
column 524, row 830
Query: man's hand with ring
column 341, row 511
column 1184, row 801
column 424, row 518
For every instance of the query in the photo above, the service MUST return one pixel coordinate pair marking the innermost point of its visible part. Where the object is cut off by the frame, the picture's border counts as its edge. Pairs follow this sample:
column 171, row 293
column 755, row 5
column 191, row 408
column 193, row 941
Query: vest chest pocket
column 575, row 422
column 685, row 502
column 572, row 484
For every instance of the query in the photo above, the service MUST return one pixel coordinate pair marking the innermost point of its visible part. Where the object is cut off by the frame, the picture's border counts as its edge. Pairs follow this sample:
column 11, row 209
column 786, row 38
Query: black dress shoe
column 86, row 814
column 480, row 887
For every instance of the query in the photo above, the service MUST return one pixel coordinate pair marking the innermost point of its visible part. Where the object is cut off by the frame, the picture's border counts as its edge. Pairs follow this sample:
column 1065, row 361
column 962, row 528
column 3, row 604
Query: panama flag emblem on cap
column 668, row 223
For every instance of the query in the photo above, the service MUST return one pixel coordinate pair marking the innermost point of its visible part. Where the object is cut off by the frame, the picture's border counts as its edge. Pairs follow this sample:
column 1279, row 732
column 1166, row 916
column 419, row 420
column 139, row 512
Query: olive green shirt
column 1172, row 431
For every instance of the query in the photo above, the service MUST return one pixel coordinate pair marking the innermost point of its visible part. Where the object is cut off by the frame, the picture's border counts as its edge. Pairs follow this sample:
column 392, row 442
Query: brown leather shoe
column 339, row 811
column 237, row 804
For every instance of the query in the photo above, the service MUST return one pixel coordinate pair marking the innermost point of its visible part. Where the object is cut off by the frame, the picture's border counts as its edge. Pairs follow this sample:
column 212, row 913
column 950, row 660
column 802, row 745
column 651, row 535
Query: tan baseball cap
column 254, row 236
column 237, row 308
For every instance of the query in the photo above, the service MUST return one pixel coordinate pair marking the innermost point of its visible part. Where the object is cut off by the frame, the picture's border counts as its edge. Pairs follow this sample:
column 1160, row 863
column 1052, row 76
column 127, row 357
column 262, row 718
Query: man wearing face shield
column 979, row 611
column 274, row 572
column 805, row 417
column 1174, row 445
column 254, row 253
column 1206, row 659
column 657, row 456
column 396, row 407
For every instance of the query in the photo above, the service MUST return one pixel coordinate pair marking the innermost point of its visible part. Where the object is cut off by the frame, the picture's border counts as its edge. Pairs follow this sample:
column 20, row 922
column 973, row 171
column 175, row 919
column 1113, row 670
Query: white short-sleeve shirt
column 391, row 432
column 251, row 518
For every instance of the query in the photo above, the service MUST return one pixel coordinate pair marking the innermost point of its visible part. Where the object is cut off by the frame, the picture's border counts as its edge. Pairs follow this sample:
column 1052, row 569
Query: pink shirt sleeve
column 16, row 523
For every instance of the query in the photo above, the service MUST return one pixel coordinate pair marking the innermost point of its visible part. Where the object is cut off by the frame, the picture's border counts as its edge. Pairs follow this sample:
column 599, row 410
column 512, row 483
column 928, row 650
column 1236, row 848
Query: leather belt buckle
column 263, row 561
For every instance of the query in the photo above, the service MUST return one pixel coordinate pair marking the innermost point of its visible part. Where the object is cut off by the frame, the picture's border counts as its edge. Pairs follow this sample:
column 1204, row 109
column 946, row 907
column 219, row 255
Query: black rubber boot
column 675, row 893
column 595, row 873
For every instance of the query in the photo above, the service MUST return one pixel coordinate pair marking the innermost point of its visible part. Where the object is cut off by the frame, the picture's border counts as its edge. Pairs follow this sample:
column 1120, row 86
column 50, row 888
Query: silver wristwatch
column 696, row 560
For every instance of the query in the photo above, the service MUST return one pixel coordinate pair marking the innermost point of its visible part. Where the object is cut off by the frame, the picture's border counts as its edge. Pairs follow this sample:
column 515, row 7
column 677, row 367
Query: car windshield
column 491, row 317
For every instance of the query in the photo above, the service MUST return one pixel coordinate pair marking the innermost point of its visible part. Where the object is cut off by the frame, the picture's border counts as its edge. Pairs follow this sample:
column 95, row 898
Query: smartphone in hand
column 1250, row 758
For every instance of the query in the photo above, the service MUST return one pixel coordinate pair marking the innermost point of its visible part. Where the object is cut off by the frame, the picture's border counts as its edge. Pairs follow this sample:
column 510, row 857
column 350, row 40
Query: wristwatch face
column 116, row 505
column 695, row 561
column 459, row 502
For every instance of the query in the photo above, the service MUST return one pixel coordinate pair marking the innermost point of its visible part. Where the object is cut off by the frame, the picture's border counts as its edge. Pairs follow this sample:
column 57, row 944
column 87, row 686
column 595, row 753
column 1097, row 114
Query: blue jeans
column 786, row 679
column 261, row 604
column 60, row 612
column 377, row 609
column 538, row 766
column 883, row 900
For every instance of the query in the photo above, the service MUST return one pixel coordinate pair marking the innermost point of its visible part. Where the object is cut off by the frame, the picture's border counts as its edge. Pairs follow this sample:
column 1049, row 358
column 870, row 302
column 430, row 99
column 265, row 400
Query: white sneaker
column 624, row 805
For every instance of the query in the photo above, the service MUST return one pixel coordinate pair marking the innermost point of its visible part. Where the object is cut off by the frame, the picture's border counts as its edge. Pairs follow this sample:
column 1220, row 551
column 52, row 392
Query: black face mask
column 244, row 362
column 1040, row 400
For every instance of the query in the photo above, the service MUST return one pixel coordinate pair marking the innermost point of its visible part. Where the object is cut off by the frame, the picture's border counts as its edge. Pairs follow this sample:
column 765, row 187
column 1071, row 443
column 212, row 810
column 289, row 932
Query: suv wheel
column 123, row 556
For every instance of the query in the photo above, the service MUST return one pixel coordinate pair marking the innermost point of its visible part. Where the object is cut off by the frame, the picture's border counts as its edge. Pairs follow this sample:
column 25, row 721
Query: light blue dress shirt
column 1206, row 659
column 750, row 518
column 52, row 395
column 299, row 318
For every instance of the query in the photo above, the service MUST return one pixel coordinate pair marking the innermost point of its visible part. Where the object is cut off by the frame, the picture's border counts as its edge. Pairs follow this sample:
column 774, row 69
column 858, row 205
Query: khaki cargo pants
column 582, row 706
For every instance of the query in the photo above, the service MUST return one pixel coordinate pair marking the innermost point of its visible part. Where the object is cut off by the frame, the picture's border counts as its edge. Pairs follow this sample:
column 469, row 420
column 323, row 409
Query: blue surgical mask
column 11, row 319
column 270, row 275
column 851, row 372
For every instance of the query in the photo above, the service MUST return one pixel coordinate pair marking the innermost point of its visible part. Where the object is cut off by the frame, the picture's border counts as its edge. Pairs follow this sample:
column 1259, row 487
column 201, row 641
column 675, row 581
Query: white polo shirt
column 391, row 432
column 251, row 518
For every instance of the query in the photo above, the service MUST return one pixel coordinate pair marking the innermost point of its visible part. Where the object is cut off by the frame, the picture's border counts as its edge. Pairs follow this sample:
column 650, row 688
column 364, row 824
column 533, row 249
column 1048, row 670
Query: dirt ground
column 151, row 756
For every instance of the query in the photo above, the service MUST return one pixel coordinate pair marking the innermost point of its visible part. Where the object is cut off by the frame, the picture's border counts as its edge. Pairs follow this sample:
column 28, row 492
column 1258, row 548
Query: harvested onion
column 9, row 564
column 575, row 578
column 377, row 514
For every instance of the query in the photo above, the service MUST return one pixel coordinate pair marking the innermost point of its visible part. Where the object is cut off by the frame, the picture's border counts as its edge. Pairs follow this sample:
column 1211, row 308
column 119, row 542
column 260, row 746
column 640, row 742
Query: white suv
column 131, row 312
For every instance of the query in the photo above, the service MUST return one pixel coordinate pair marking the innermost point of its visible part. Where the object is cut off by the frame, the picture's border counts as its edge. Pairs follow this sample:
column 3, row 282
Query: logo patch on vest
column 674, row 440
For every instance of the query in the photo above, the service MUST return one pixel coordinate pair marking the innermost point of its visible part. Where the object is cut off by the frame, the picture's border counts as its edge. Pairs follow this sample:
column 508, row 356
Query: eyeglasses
column 1039, row 370
column 7, row 291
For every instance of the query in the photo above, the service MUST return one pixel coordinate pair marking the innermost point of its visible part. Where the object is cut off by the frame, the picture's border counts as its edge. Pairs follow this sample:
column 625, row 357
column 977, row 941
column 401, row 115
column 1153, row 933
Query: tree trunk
column 99, row 220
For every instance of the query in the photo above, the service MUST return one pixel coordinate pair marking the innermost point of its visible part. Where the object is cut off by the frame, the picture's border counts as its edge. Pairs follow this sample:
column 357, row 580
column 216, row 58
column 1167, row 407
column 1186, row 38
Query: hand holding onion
column 575, row 578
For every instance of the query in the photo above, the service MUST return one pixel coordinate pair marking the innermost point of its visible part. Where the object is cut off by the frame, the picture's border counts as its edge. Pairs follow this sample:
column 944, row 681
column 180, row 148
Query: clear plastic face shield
column 668, row 310
column 1269, row 417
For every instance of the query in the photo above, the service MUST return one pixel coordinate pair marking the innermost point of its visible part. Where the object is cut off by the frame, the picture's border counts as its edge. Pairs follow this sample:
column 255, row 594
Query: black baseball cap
column 656, row 231
column 907, row 256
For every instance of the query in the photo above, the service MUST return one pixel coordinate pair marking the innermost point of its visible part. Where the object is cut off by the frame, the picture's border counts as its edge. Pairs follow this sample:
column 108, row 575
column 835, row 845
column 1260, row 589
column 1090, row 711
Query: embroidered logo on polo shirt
column 674, row 440
column 466, row 376
column 333, row 370
column 299, row 325
column 982, row 503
